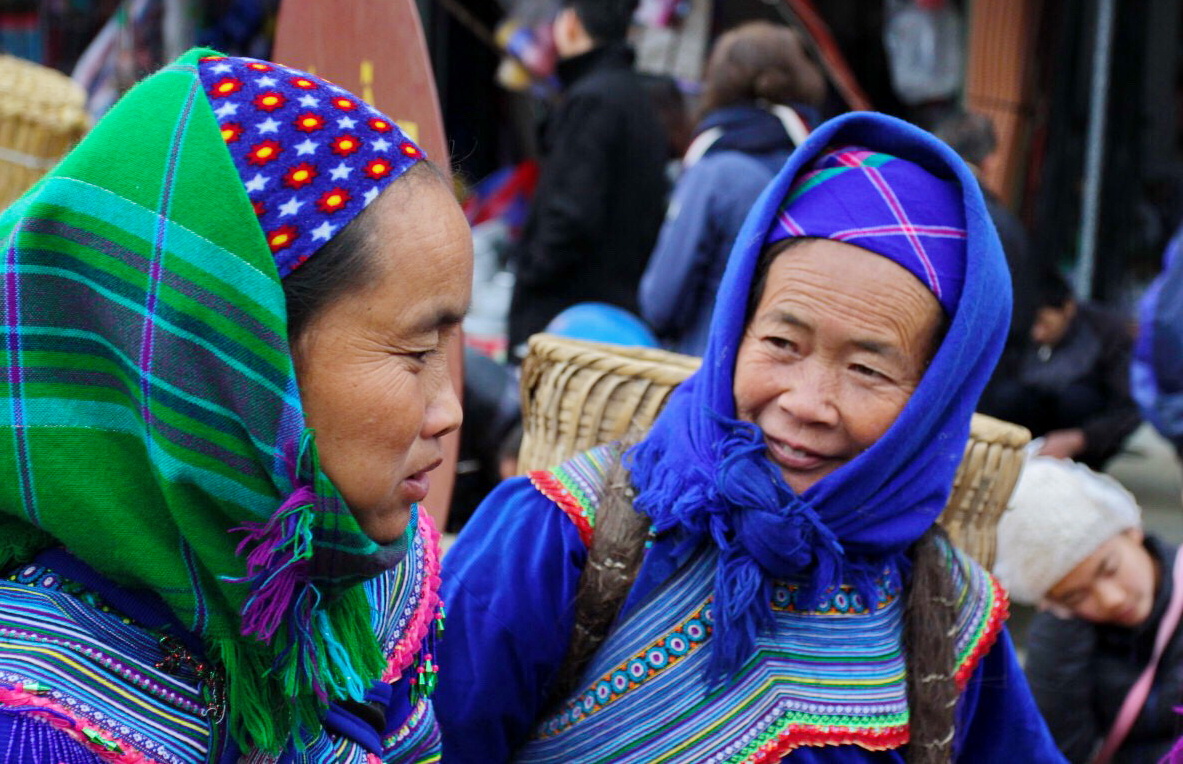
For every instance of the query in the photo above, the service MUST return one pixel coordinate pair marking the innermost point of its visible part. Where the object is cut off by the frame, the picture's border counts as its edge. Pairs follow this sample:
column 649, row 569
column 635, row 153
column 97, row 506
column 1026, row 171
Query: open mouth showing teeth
column 795, row 451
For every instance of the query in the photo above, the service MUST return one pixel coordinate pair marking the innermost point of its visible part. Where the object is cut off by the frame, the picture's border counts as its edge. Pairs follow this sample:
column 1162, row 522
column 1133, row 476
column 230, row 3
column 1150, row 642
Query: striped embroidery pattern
column 982, row 608
column 63, row 654
column 418, row 740
column 101, row 672
column 405, row 601
column 802, row 686
column 832, row 675
column 577, row 487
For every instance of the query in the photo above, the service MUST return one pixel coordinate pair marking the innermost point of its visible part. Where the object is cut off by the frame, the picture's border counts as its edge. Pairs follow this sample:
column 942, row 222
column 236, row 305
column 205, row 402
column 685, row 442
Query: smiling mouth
column 794, row 457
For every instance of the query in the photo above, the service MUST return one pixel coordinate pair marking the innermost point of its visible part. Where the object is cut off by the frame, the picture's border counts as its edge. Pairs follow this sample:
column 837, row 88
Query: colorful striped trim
column 93, row 737
column 577, row 486
column 982, row 606
column 821, row 678
column 794, row 692
column 800, row 735
column 550, row 485
column 669, row 651
column 424, row 616
column 845, row 600
column 814, row 679
column 418, row 740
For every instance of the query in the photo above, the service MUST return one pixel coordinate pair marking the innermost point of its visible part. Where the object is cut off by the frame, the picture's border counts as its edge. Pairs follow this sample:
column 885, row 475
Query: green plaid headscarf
column 149, row 409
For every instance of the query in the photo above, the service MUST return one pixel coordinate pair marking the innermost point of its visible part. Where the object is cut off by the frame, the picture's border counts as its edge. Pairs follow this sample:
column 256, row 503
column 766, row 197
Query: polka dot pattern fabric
column 310, row 154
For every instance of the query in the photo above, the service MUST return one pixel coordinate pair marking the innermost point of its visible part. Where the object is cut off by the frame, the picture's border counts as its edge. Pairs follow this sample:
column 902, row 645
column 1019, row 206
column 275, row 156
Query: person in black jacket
column 1070, row 385
column 974, row 138
column 601, row 193
column 1071, row 543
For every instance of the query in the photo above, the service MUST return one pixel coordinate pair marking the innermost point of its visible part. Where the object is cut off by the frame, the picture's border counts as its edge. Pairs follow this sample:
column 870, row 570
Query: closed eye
column 421, row 356
column 867, row 371
column 781, row 343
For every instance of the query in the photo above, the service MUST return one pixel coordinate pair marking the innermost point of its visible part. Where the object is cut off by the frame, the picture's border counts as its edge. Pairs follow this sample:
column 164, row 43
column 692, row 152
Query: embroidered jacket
column 827, row 685
column 90, row 672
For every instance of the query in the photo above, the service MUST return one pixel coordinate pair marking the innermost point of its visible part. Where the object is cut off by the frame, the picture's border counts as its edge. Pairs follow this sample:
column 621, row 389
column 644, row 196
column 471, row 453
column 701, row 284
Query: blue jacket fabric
column 709, row 204
column 1156, row 372
column 509, row 581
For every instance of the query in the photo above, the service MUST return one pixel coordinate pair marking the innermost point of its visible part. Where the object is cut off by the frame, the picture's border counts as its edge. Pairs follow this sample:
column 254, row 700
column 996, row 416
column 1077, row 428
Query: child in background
column 1072, row 544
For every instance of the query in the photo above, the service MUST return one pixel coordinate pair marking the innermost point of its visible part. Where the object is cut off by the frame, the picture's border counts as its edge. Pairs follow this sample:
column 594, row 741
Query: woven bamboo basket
column 42, row 115
column 578, row 394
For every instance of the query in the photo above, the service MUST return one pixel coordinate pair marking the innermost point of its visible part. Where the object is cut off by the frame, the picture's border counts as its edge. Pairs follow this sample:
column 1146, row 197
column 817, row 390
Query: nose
column 808, row 392
column 1109, row 595
column 444, row 412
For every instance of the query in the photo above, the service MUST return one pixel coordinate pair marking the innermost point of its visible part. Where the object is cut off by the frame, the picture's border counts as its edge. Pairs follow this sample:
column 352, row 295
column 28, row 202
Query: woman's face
column 1113, row 585
column 837, row 344
column 372, row 366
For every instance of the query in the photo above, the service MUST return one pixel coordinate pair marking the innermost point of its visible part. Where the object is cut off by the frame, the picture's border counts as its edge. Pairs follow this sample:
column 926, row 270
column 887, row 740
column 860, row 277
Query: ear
column 566, row 28
column 1137, row 535
column 571, row 37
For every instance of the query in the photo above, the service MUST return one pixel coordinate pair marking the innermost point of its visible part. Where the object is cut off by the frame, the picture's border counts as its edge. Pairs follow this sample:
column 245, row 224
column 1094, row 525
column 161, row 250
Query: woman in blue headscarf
column 794, row 600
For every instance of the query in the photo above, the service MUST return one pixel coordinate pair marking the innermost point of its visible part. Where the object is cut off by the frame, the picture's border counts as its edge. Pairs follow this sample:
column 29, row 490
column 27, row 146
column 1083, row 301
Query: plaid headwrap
column 884, row 204
column 310, row 154
column 150, row 419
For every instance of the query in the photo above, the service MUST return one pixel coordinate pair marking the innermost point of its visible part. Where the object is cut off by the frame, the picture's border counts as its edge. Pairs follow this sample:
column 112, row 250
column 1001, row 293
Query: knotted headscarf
column 706, row 474
column 150, row 419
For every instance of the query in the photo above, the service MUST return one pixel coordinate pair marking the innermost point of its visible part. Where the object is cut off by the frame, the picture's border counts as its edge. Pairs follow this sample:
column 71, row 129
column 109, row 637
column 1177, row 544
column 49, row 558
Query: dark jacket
column 600, row 198
column 1092, row 363
column 1082, row 382
column 1080, row 673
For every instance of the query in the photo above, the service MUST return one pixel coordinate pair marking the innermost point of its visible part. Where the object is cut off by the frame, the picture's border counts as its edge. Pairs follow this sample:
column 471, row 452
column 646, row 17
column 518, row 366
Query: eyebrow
column 441, row 319
column 871, row 346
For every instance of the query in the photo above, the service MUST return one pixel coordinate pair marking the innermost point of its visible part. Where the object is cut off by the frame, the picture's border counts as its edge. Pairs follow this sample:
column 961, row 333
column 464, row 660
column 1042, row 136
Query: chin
column 801, row 483
column 386, row 525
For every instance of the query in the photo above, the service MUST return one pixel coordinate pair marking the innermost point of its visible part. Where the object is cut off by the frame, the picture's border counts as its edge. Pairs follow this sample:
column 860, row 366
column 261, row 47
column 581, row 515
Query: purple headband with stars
column 884, row 204
column 310, row 154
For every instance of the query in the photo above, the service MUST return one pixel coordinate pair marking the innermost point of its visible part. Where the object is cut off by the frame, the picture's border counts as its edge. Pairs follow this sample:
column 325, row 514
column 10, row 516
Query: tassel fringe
column 309, row 649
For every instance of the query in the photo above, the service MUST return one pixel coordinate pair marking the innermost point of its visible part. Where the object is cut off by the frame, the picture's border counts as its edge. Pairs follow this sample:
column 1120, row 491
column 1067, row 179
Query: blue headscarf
column 705, row 473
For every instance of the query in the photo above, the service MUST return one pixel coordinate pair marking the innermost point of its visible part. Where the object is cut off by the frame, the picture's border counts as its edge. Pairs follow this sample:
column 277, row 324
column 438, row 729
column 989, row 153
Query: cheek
column 396, row 402
column 752, row 384
column 379, row 404
column 869, row 414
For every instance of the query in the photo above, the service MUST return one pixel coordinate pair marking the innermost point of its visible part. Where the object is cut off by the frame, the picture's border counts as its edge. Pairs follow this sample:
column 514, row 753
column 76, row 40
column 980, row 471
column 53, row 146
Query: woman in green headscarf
column 226, row 316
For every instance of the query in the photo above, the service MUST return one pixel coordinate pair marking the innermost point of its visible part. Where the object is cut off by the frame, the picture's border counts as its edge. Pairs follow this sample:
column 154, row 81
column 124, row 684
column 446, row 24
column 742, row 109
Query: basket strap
column 593, row 491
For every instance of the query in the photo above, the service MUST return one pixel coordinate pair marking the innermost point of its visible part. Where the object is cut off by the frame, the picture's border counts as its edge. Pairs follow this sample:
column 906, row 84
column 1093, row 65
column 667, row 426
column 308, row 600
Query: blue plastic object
column 601, row 322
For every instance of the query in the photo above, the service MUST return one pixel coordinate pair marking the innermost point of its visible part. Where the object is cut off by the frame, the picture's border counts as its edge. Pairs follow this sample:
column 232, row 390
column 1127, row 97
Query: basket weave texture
column 42, row 115
column 578, row 394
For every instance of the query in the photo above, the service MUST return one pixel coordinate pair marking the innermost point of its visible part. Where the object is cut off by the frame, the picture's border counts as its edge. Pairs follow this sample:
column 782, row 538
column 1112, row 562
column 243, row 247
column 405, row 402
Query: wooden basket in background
column 42, row 115
column 578, row 394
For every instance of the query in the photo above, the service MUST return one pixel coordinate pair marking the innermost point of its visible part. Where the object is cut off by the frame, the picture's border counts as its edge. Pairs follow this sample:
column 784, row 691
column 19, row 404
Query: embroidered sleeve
column 982, row 610
column 577, row 487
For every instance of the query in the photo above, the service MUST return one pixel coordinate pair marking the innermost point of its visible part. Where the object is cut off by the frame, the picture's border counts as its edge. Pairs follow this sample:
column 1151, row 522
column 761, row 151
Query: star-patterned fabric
column 310, row 154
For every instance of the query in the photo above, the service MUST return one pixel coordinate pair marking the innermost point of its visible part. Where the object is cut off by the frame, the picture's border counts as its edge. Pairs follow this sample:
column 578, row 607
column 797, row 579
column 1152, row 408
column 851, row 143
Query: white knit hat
column 1059, row 514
